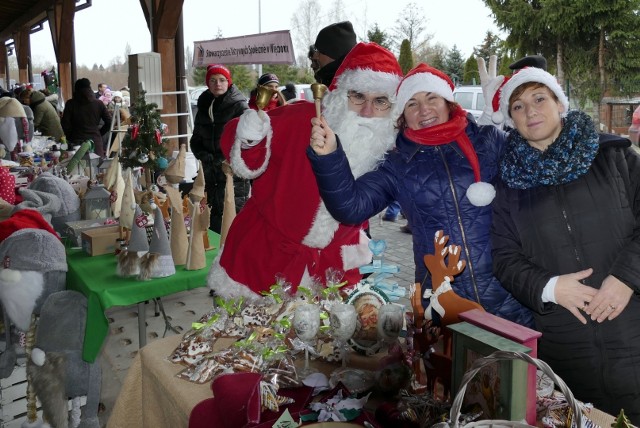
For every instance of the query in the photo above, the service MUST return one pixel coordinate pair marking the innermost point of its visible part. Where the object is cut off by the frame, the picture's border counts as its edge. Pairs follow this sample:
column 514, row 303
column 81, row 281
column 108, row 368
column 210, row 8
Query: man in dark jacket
column 216, row 106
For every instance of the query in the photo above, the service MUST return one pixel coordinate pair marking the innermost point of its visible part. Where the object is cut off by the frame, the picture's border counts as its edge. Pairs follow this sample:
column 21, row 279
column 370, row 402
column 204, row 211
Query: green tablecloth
column 96, row 278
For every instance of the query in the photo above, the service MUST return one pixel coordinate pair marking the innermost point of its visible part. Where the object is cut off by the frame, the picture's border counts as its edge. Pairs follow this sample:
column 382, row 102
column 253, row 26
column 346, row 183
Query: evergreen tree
column 454, row 65
column 406, row 57
column 242, row 78
column 198, row 75
column 376, row 35
column 471, row 75
column 142, row 146
column 503, row 65
column 491, row 45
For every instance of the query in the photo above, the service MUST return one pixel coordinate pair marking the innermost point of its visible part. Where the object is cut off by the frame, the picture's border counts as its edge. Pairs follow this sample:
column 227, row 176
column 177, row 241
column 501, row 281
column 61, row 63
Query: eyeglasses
column 379, row 103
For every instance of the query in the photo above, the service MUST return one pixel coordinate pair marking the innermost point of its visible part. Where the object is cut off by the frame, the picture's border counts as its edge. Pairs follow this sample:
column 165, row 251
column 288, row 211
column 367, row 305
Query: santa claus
column 284, row 230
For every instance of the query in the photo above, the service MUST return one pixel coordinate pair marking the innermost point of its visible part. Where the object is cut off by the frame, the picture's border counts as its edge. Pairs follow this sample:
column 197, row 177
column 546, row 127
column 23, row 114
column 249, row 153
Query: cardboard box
column 101, row 240
column 74, row 229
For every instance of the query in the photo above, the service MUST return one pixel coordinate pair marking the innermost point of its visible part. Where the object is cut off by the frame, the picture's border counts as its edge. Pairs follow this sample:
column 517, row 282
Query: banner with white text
column 264, row 48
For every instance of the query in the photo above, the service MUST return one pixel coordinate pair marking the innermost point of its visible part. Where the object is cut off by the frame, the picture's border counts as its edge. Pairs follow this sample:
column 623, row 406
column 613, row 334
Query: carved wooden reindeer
column 446, row 303
column 444, row 300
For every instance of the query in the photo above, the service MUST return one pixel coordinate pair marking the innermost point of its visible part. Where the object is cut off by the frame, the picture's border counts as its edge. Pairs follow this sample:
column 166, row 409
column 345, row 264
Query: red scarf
column 452, row 130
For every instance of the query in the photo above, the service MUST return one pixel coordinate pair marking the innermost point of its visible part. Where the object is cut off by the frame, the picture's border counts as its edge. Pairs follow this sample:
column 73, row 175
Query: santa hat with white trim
column 29, row 247
column 424, row 78
column 525, row 75
column 368, row 67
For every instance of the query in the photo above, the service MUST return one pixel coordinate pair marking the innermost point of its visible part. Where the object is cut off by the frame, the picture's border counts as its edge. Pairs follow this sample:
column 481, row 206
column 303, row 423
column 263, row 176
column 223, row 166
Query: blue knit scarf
column 567, row 158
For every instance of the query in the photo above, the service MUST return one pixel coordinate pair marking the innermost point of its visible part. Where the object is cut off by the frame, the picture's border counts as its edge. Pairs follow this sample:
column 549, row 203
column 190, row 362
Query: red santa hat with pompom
column 424, row 78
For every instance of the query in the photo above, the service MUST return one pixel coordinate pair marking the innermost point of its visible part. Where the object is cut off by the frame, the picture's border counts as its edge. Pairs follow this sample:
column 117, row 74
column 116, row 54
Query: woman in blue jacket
column 439, row 173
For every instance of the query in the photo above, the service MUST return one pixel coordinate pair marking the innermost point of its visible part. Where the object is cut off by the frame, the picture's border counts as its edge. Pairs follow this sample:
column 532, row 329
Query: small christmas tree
column 622, row 421
column 142, row 146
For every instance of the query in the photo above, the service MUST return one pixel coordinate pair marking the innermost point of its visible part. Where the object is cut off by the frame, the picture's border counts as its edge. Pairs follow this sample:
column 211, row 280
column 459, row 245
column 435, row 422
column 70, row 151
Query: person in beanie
column 269, row 81
column 85, row 117
column 332, row 44
column 284, row 230
column 216, row 106
column 565, row 240
column 440, row 173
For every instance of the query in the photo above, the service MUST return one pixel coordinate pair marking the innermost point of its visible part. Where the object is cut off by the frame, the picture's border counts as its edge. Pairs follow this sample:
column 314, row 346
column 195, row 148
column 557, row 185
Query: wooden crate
column 13, row 398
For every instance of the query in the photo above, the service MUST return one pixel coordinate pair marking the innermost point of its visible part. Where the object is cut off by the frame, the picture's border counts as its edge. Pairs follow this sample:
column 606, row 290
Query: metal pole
column 259, row 31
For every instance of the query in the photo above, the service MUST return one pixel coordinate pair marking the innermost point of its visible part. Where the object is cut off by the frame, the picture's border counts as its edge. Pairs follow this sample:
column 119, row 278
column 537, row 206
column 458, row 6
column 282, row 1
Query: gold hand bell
column 263, row 96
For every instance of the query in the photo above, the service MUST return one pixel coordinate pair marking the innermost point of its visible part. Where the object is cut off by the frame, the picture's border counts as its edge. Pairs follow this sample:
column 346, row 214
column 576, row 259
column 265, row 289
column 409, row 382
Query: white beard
column 364, row 140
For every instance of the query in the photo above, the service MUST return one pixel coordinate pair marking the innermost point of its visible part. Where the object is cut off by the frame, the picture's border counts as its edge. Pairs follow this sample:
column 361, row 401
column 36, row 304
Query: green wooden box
column 499, row 390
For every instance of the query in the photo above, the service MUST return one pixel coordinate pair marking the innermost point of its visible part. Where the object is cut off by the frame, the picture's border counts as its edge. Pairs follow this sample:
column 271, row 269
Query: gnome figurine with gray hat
column 158, row 262
column 129, row 259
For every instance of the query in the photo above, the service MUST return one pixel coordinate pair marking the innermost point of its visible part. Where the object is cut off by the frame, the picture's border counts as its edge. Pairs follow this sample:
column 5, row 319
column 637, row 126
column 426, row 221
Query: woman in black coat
column 85, row 117
column 566, row 240
column 216, row 106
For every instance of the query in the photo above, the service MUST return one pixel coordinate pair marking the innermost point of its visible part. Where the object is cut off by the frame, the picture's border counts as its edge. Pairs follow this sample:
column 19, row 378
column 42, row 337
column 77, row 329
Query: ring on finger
column 612, row 307
column 584, row 307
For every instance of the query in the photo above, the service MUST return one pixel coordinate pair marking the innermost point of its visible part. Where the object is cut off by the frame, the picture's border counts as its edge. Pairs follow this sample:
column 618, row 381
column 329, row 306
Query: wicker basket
column 491, row 359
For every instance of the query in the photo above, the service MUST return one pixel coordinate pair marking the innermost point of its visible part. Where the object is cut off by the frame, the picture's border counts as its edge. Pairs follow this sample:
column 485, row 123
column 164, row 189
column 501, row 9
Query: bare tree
column 304, row 28
column 410, row 25
column 336, row 14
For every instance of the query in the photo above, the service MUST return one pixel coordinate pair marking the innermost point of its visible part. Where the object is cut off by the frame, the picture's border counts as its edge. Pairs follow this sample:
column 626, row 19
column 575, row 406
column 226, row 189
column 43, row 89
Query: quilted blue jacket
column 430, row 183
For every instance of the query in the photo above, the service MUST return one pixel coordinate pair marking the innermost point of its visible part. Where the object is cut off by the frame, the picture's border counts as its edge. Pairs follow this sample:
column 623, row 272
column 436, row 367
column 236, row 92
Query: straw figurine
column 229, row 207
column 174, row 174
column 196, row 195
column 114, row 183
column 129, row 259
column 128, row 205
column 199, row 226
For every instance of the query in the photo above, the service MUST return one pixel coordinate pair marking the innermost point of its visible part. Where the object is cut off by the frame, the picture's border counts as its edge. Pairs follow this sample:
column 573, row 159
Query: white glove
column 490, row 83
column 252, row 127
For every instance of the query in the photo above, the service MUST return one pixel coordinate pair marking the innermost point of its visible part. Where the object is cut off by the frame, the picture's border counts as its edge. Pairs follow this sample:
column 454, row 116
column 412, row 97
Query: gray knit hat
column 69, row 200
column 34, row 250
column 138, row 240
column 47, row 204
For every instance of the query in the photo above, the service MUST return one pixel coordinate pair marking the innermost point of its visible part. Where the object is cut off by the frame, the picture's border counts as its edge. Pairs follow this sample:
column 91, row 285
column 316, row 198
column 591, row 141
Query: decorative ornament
column 135, row 131
column 158, row 135
column 143, row 158
column 141, row 220
column 162, row 163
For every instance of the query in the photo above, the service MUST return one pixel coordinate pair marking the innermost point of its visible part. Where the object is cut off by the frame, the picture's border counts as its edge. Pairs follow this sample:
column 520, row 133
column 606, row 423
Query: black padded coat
column 591, row 222
column 213, row 114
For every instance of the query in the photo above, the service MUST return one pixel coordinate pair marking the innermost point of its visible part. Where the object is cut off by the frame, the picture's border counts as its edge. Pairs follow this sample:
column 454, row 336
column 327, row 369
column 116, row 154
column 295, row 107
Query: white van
column 470, row 98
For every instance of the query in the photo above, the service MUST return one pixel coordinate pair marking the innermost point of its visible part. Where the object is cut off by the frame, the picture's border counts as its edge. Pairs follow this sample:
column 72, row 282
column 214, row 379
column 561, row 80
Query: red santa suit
column 284, row 229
